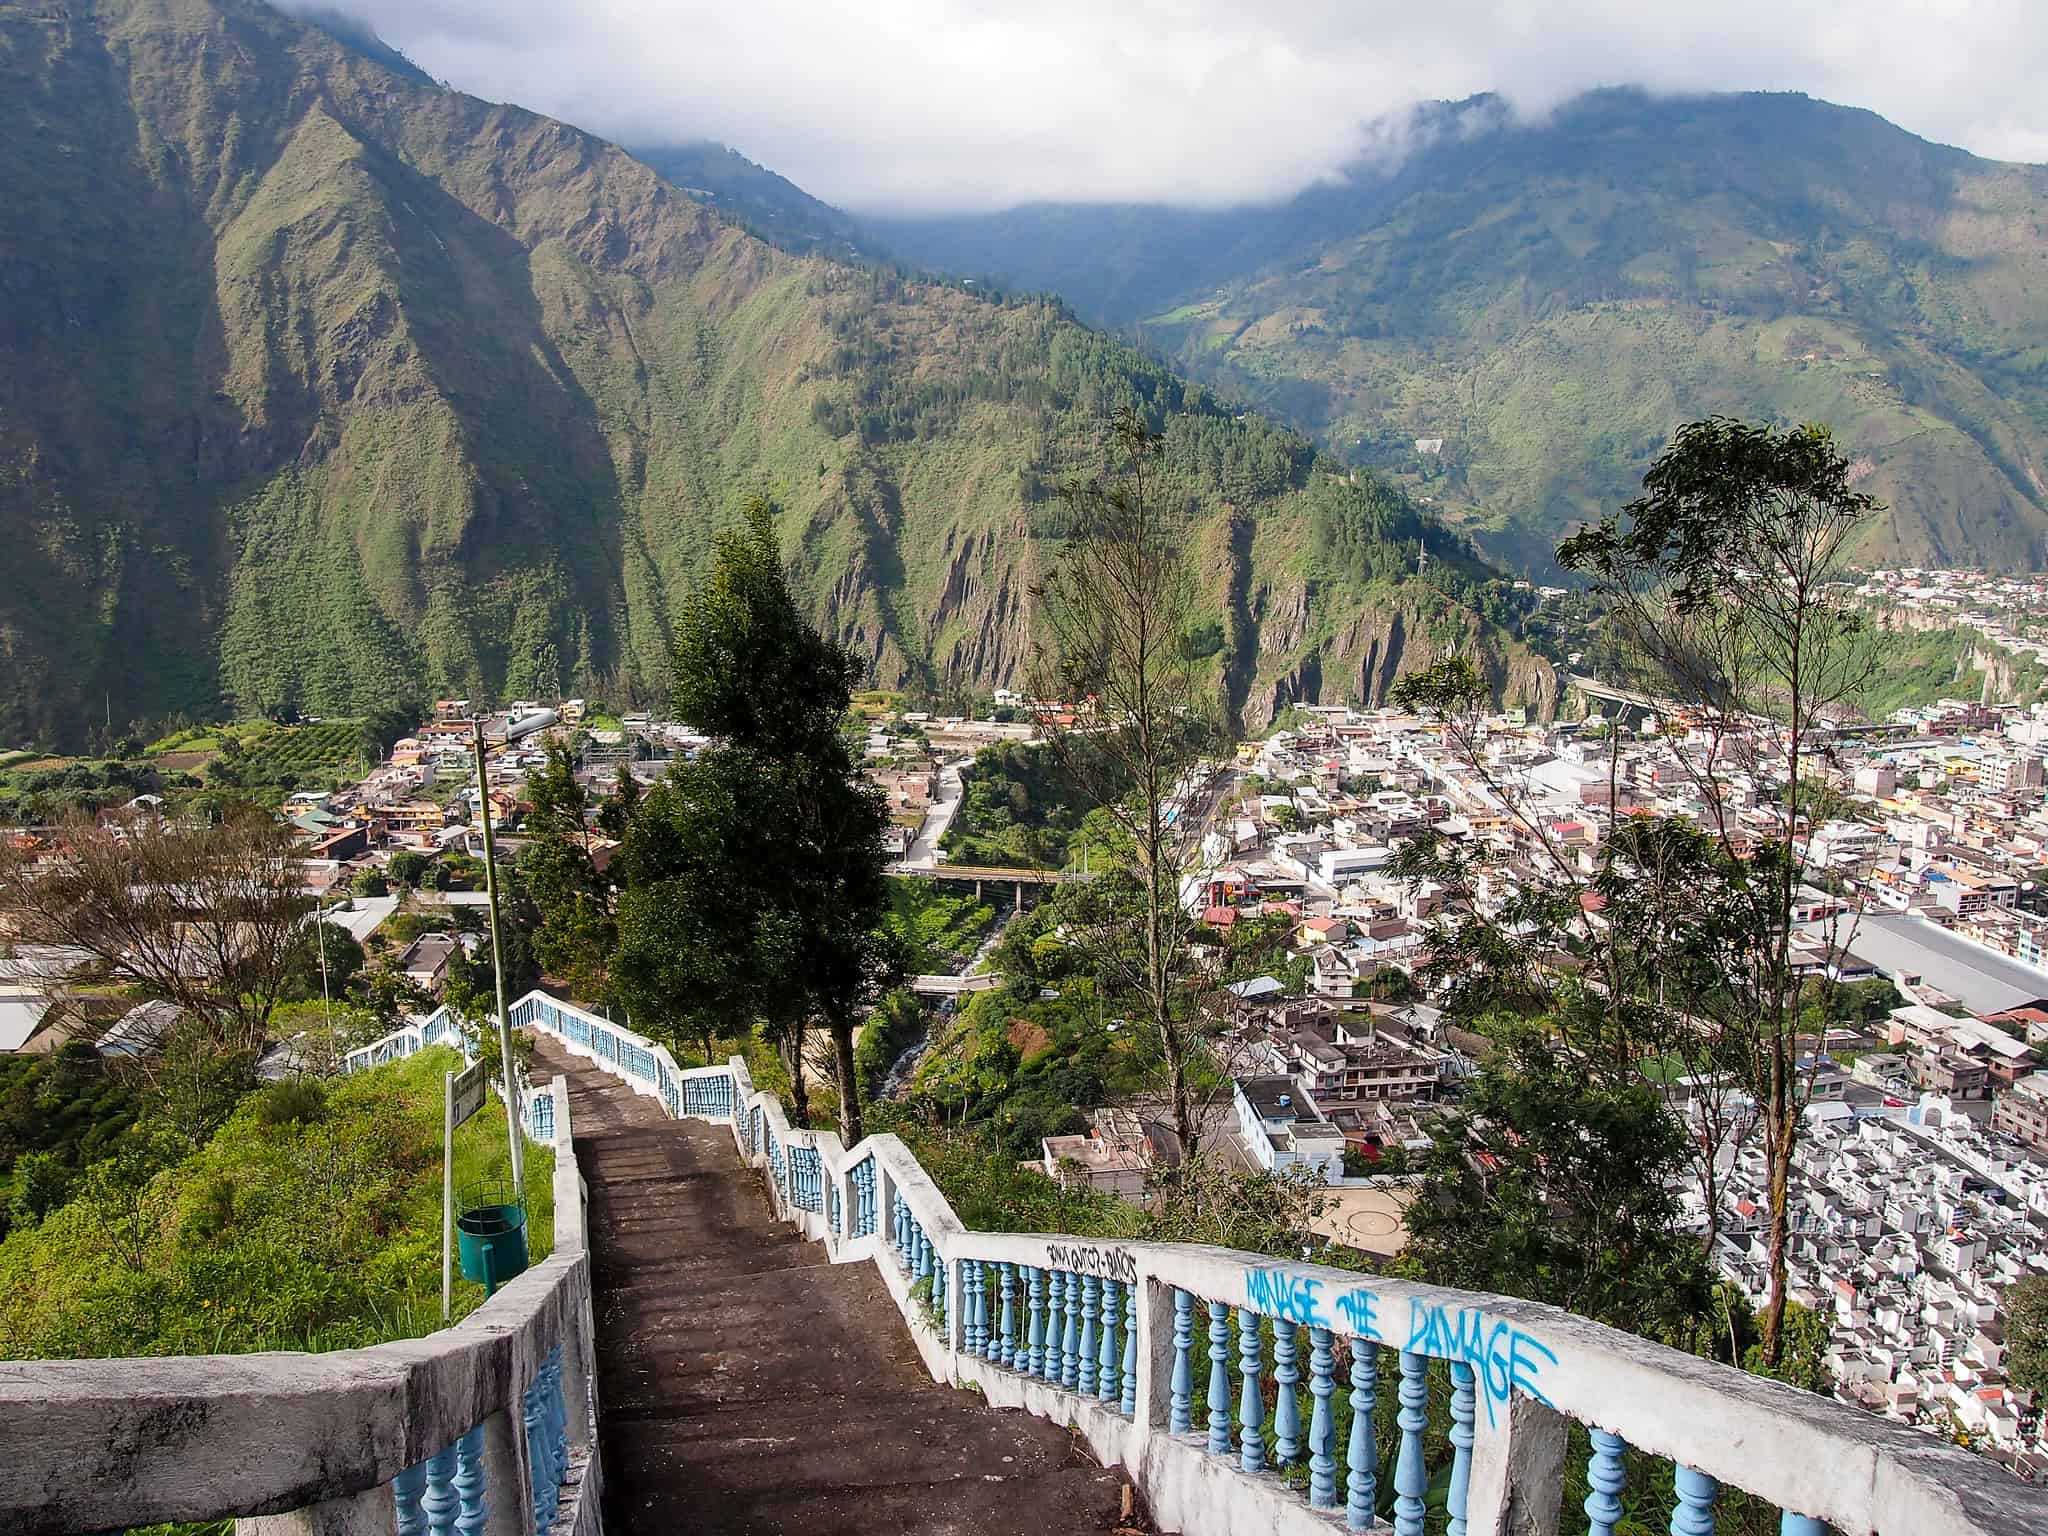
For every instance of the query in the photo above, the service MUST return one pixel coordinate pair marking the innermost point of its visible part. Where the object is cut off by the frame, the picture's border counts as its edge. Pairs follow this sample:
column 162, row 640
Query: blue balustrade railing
column 545, row 1415
column 708, row 1096
column 863, row 1180
column 540, row 1114
column 806, row 1179
column 1274, row 1374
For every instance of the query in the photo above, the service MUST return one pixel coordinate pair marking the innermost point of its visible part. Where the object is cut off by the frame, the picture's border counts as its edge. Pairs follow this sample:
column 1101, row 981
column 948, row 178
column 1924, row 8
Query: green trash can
column 491, row 1240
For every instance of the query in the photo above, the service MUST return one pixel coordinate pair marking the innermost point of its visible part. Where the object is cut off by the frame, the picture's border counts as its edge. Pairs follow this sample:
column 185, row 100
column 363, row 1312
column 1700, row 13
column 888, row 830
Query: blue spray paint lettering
column 1355, row 1307
column 1276, row 1293
column 1503, row 1358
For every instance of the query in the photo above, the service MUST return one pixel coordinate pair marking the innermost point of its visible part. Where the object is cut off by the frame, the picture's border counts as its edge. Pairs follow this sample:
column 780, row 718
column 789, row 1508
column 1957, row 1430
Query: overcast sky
column 925, row 105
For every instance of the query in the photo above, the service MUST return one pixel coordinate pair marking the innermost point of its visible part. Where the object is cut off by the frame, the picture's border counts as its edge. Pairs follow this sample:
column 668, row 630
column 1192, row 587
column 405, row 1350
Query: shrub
column 293, row 1101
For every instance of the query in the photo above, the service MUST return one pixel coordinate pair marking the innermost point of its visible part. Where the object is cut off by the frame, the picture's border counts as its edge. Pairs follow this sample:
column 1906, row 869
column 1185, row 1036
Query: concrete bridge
column 954, row 986
column 1609, row 693
column 778, row 1324
column 980, row 875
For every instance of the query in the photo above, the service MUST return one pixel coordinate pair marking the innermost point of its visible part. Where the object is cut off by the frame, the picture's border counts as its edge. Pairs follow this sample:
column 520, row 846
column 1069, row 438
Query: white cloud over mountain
column 957, row 104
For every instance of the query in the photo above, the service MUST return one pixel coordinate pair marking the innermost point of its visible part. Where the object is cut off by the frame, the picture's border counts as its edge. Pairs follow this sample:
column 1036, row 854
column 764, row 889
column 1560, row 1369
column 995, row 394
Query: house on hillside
column 426, row 958
column 1281, row 1128
column 1115, row 1157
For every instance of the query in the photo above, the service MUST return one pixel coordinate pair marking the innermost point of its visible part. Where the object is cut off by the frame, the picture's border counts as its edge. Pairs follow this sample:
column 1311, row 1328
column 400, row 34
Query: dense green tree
column 576, row 932
column 2026, row 1333
column 1550, row 1185
column 344, row 957
column 370, row 881
column 754, row 873
column 616, row 813
column 41, row 1184
column 405, row 868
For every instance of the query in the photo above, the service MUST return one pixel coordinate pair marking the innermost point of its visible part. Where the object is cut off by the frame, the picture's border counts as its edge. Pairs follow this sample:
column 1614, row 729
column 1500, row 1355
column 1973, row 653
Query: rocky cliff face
column 1356, row 650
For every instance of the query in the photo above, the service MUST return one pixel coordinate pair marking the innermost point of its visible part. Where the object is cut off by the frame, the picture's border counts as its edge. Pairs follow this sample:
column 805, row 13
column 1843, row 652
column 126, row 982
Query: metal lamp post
column 513, row 731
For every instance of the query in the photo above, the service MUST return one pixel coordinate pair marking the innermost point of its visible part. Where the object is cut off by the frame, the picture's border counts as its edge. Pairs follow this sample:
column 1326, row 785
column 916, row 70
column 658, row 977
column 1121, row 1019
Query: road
column 924, row 848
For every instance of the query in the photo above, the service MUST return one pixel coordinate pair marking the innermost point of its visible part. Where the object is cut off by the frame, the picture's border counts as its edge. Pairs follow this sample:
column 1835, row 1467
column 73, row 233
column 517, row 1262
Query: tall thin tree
column 1114, row 616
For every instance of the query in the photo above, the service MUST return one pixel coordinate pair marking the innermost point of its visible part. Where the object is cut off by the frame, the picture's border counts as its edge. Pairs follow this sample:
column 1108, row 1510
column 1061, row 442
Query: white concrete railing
column 486, row 1428
column 1521, row 1372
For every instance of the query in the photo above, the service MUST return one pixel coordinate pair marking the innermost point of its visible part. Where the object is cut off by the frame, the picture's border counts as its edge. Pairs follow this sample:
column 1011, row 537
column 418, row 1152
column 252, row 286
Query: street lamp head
column 540, row 720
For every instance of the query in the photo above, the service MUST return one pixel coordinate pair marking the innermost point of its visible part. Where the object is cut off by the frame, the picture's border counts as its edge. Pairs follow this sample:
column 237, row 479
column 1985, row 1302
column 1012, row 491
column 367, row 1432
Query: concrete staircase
column 748, row 1385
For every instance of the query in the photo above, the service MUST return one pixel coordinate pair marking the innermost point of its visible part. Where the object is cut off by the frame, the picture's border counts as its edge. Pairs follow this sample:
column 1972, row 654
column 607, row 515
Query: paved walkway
column 747, row 1385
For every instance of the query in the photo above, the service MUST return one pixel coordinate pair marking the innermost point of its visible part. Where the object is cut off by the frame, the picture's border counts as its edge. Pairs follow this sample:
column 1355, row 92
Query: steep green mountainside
column 322, row 386
column 769, row 205
column 1550, row 300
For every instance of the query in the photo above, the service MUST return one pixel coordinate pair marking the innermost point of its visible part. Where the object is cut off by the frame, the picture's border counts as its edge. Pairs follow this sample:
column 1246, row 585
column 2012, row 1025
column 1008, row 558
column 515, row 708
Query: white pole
column 320, row 934
column 447, row 1190
column 483, row 793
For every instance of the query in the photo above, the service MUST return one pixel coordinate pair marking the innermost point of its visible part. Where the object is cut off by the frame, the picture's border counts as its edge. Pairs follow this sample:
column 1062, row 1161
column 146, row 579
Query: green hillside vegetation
column 311, row 1220
column 322, row 386
column 1018, row 811
column 59, row 1114
column 1919, row 667
column 940, row 928
column 768, row 205
column 1551, row 300
column 256, row 760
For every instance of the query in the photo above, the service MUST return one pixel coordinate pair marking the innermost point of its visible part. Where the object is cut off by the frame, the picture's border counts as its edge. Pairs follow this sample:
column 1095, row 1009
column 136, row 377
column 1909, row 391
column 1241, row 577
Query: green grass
column 324, row 1235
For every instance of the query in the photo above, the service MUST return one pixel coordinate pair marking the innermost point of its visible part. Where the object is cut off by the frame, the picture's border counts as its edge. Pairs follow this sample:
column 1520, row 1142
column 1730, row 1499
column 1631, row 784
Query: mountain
column 768, row 205
column 1550, row 299
column 322, row 386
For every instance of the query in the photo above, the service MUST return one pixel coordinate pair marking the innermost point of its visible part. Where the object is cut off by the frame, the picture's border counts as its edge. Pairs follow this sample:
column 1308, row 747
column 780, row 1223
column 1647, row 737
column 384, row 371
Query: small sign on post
column 462, row 1095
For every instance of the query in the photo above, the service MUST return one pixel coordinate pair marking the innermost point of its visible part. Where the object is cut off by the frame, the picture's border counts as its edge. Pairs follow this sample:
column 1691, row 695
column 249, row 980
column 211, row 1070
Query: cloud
column 924, row 105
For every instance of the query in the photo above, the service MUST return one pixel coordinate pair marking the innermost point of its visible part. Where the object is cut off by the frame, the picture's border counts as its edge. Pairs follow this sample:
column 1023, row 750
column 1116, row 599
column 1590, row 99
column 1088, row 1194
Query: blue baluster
column 1055, row 1321
column 539, row 1453
column 1129, row 1405
column 1605, row 1475
column 1790, row 1524
column 471, row 1510
column 969, row 1338
column 1107, row 1387
column 1070, row 1346
column 1086, row 1366
column 1006, row 1351
column 922, row 1248
column 940, row 1300
column 986, row 1298
column 1411, row 1476
column 1251, row 1407
column 1693, row 1514
column 1322, row 1424
column 1362, row 1456
column 558, row 1414
column 1034, row 1358
column 1180, row 1417
column 984, row 1335
column 1286, row 1406
column 439, row 1499
column 1461, row 1447
column 406, row 1489
column 550, row 1464
column 1219, row 1379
